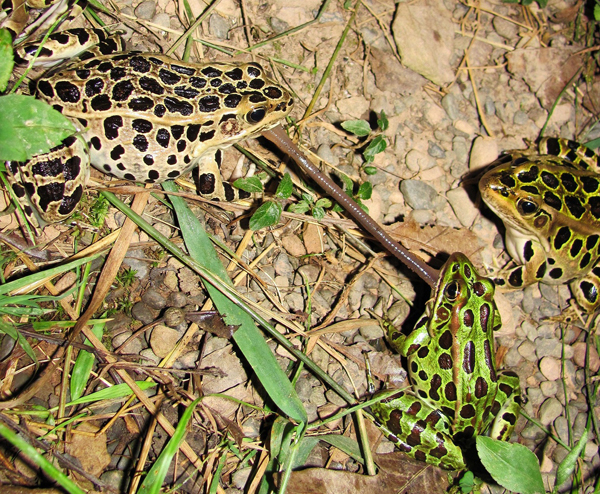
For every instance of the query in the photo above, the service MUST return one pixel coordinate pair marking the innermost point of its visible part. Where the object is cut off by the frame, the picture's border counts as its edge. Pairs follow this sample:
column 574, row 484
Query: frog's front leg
column 587, row 290
column 418, row 430
column 533, row 264
column 506, row 406
column 209, row 181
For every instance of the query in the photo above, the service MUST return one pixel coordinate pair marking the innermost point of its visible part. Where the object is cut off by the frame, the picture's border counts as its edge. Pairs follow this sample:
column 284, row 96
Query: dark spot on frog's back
column 94, row 87
column 67, row 92
column 574, row 205
column 235, row 74
column 151, row 85
column 122, row 90
column 168, row 77
column 111, row 126
column 175, row 105
column 45, row 88
column 183, row 70
column 140, row 64
column 469, row 357
column 141, row 104
column 481, row 387
column 550, row 180
column 553, row 200
column 446, row 340
column 101, row 102
column 211, row 72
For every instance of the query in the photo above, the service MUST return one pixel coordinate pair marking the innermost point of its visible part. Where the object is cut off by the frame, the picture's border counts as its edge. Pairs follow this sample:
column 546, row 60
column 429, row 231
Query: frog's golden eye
column 452, row 291
column 256, row 115
column 526, row 207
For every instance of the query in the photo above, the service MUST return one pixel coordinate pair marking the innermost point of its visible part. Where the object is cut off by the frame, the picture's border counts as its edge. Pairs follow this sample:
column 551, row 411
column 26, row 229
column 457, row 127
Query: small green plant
column 541, row 3
column 307, row 203
column 377, row 142
column 125, row 278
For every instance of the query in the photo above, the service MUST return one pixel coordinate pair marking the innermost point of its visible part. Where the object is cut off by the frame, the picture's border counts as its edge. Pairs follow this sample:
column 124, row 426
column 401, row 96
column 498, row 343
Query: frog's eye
column 452, row 291
column 526, row 207
column 256, row 115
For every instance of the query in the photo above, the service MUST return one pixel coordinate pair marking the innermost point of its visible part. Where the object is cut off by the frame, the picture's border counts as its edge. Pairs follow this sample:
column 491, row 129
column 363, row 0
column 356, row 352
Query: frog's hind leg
column 418, row 430
column 506, row 406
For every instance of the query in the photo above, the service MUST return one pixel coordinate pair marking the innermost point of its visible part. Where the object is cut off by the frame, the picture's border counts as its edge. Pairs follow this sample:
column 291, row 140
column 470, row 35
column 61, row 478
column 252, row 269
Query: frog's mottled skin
column 550, row 205
column 456, row 392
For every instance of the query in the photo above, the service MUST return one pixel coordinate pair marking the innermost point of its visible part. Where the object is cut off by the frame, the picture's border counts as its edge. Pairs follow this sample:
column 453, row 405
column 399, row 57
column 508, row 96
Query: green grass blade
column 114, row 392
column 154, row 480
column 15, row 335
column 83, row 365
column 40, row 275
column 39, row 460
column 248, row 338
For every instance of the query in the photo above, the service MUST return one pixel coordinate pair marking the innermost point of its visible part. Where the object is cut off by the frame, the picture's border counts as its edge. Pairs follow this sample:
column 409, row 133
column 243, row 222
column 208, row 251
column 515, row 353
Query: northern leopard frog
column 456, row 392
column 550, row 205
column 143, row 117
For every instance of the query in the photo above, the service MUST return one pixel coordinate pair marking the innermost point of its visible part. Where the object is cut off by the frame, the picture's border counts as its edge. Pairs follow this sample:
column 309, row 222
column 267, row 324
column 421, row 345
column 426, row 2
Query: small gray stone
column 282, row 265
column 527, row 350
column 219, row 27
column 549, row 411
column 114, row 479
column 146, row 10
column 548, row 348
column 416, row 161
column 134, row 347
column 188, row 360
column 171, row 281
column 450, row 104
column 324, row 152
column 504, row 28
column 278, row 25
column 240, row 477
column 147, row 353
column 163, row 20
column 154, row 299
column 435, row 150
column 317, row 396
column 176, row 299
column 419, row 195
column 520, row 118
column 143, row 313
column 371, row 330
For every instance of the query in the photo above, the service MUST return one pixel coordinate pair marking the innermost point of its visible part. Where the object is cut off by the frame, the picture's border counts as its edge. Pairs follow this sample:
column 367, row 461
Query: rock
column 174, row 316
column 483, row 152
column 163, row 20
column 463, row 207
column 550, row 410
column 579, row 350
column 504, row 28
column 143, row 313
column 324, row 152
column 550, row 368
column 354, row 107
column 154, row 299
column 146, row 10
column 219, row 27
column 282, row 265
column 163, row 339
column 424, row 45
column 134, row 347
column 293, row 245
column 416, row 161
column 419, row 195
column 391, row 76
column 435, row 150
column 89, row 449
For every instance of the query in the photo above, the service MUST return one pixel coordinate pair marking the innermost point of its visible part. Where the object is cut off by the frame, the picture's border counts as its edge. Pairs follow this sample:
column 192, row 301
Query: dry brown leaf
column 437, row 239
column 397, row 472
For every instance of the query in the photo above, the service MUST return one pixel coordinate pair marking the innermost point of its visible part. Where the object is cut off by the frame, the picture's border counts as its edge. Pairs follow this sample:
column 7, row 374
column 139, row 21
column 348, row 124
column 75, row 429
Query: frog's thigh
column 587, row 289
column 419, row 430
column 54, row 181
column 508, row 399
column 210, row 183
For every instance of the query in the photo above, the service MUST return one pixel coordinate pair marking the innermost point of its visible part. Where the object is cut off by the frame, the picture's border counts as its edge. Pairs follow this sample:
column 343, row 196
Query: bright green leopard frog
column 456, row 392
column 143, row 117
column 550, row 205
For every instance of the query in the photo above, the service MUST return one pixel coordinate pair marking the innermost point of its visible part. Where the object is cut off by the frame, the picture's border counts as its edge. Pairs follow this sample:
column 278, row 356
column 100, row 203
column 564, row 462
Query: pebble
column 550, row 368
column 483, row 152
column 176, row 299
column 435, row 150
column 293, row 245
column 419, row 195
column 146, row 10
column 143, row 313
column 450, row 104
column 463, row 207
column 579, row 352
column 371, row 330
column 549, row 411
column 154, row 299
column 324, row 152
column 416, row 161
column 163, row 339
column 163, row 20
column 134, row 347
column 520, row 117
column 548, row 348
column 282, row 265
column 219, row 27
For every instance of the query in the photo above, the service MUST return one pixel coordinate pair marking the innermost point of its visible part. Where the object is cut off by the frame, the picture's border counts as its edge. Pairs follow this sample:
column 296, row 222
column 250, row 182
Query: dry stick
column 278, row 136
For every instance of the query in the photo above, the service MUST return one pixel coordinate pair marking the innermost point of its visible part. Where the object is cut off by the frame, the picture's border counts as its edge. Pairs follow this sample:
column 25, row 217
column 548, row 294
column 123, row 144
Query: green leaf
column 365, row 191
column 512, row 465
column 83, row 365
column 466, row 482
column 597, row 12
column 29, row 127
column 6, row 58
column 318, row 213
column 300, row 207
column 348, row 184
column 19, row 338
column 153, row 482
column 324, row 202
column 383, row 122
column 370, row 170
column 267, row 214
column 285, row 187
column 249, row 184
column 376, row 146
column 567, row 466
column 307, row 197
column 359, row 128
